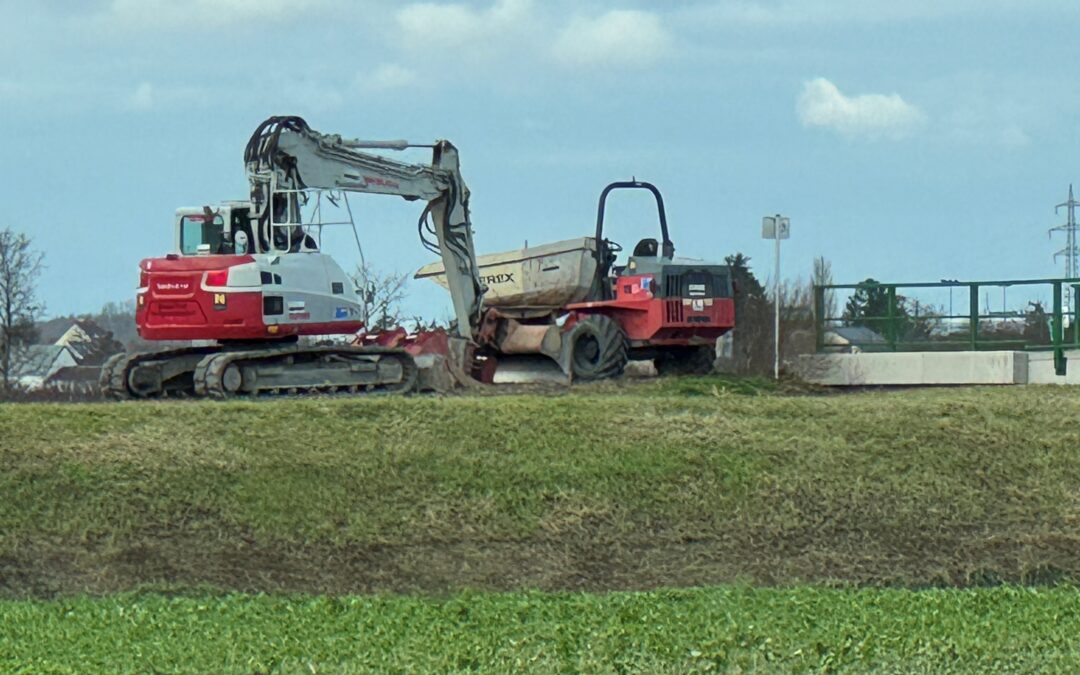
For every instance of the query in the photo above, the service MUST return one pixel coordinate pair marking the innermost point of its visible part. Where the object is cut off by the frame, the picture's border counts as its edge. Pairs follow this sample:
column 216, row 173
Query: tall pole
column 776, row 228
column 776, row 303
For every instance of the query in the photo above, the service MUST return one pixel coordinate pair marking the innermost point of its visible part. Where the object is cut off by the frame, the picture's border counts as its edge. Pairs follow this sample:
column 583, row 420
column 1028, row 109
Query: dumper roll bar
column 667, row 248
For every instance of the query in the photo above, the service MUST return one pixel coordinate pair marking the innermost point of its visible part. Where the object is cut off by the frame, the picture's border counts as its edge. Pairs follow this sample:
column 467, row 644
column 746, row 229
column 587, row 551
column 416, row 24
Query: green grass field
column 1005, row 629
column 840, row 506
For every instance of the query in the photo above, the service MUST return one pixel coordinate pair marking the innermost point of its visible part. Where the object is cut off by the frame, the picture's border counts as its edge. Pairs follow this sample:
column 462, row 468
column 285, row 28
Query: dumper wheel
column 598, row 347
column 697, row 360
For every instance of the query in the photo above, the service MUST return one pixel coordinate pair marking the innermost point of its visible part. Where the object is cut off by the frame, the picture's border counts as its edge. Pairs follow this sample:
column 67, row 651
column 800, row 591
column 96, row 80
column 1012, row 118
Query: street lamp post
column 776, row 228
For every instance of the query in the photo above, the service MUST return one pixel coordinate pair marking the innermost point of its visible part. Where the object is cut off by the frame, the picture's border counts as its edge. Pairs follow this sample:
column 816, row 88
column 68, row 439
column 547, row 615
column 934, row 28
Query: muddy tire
column 698, row 360
column 598, row 348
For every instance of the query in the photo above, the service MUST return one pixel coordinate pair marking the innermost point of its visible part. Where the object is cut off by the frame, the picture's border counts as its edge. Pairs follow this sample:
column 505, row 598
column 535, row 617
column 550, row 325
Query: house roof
column 854, row 335
column 51, row 330
column 89, row 343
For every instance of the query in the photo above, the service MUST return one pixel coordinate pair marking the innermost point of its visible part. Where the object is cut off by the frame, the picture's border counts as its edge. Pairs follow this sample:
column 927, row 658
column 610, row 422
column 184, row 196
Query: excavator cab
column 223, row 230
column 200, row 234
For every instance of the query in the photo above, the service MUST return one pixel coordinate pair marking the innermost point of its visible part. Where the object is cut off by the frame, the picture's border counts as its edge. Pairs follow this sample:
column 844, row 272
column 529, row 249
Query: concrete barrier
column 1041, row 368
column 917, row 368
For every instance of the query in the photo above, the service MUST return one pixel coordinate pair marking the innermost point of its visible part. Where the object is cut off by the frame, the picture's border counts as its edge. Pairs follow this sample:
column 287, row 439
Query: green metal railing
column 894, row 327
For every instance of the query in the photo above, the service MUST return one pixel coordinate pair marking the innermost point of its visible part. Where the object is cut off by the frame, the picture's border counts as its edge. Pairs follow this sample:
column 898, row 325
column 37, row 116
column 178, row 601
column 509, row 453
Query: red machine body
column 648, row 320
column 222, row 297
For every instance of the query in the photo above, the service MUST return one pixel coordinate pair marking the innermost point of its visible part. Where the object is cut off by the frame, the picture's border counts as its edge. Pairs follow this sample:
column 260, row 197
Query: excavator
column 247, row 282
column 247, row 279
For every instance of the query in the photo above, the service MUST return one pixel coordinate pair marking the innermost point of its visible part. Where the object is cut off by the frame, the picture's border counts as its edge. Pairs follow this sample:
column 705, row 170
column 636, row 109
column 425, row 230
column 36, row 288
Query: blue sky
column 908, row 141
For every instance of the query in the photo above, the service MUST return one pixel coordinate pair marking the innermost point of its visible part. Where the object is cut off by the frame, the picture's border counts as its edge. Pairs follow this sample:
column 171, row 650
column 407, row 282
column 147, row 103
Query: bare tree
column 796, row 320
column 20, row 266
column 823, row 277
column 383, row 294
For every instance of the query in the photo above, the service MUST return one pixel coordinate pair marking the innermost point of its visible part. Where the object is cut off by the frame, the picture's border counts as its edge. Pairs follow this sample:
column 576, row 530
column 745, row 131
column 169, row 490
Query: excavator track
column 300, row 370
column 214, row 372
column 151, row 374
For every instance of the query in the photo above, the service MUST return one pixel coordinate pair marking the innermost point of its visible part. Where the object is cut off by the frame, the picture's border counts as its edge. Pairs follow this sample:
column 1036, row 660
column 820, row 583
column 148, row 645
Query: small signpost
column 776, row 228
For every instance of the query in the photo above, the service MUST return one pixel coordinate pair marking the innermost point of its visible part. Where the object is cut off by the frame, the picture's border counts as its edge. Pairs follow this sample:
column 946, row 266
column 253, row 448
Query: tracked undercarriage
column 224, row 372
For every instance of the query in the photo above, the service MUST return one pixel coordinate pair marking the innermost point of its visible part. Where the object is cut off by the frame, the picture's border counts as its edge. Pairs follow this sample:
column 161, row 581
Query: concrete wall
column 918, row 368
column 1041, row 368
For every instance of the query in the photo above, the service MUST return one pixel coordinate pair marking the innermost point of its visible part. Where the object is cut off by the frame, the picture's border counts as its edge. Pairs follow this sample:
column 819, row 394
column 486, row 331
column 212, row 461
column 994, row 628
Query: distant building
column 38, row 363
column 89, row 343
column 852, row 339
column 71, row 361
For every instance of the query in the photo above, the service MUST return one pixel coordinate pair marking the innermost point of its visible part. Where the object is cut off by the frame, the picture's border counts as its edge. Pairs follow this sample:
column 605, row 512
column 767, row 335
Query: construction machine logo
column 501, row 278
column 172, row 285
column 380, row 182
column 219, row 301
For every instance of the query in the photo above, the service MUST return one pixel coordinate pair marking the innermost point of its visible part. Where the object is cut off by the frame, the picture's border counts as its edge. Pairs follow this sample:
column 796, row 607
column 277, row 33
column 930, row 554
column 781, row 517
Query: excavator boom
column 285, row 156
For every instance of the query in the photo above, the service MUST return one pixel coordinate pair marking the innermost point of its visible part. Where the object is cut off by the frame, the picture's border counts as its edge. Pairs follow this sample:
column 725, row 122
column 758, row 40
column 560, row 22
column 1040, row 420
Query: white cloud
column 618, row 37
column 525, row 38
column 822, row 104
column 737, row 13
column 200, row 15
column 387, row 76
column 428, row 25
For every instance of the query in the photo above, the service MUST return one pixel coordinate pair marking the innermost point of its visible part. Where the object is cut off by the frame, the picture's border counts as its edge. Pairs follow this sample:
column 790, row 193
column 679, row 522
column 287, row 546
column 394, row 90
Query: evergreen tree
column 752, row 346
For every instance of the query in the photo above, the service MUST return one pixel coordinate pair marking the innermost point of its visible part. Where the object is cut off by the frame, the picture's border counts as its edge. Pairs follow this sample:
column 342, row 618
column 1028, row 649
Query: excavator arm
column 285, row 156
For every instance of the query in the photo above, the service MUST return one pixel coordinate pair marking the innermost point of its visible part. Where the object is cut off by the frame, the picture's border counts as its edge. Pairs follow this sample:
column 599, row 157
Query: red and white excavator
column 247, row 280
column 249, row 276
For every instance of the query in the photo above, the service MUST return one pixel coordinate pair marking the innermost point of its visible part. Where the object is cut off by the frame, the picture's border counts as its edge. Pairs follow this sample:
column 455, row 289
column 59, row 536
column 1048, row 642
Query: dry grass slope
column 673, row 484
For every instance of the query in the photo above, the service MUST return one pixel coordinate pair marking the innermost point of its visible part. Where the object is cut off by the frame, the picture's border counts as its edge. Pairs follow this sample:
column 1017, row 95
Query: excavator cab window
column 197, row 230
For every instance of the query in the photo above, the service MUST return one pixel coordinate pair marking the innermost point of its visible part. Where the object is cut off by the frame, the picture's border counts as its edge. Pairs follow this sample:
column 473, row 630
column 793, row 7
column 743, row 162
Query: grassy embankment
column 677, row 483
column 633, row 488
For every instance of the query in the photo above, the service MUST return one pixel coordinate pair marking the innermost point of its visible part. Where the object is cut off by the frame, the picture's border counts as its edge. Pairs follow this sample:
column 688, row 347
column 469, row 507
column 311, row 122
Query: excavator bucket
column 529, row 369
column 443, row 362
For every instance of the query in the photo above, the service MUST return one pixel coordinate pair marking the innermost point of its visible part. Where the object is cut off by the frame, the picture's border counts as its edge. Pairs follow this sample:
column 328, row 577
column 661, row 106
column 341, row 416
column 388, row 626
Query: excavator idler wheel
column 598, row 348
column 232, row 379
